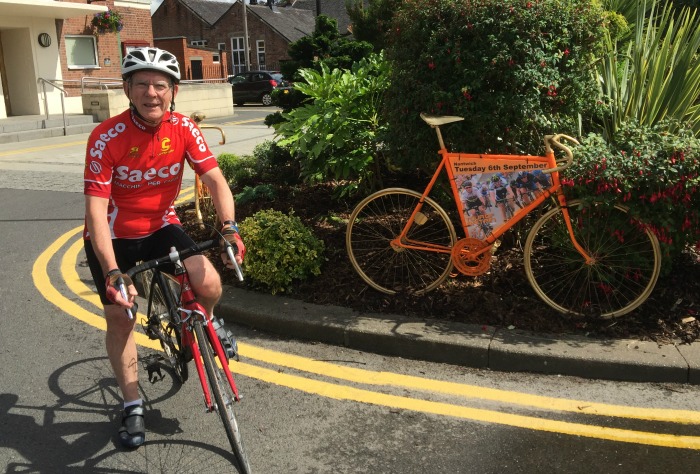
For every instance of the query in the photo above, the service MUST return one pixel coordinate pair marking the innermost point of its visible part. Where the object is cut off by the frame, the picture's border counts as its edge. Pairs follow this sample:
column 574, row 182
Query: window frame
column 96, row 56
column 260, row 54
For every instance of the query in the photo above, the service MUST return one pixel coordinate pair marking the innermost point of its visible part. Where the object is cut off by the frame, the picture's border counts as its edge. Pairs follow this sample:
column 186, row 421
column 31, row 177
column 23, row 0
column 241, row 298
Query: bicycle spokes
column 620, row 274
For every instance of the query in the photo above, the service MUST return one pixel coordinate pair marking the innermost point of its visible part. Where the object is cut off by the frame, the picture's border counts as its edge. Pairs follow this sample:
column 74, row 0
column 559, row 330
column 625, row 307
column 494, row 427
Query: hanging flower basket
column 107, row 22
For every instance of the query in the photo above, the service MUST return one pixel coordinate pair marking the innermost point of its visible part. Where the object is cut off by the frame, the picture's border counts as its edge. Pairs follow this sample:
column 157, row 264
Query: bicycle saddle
column 437, row 120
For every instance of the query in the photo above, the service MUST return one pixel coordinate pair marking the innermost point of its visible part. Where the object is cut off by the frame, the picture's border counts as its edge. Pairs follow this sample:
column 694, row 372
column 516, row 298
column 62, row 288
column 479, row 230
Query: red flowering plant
column 653, row 172
column 514, row 70
column 107, row 22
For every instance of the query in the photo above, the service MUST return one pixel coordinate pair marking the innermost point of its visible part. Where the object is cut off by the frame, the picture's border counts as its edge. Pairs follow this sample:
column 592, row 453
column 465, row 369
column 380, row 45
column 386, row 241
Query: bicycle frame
column 190, row 310
column 464, row 166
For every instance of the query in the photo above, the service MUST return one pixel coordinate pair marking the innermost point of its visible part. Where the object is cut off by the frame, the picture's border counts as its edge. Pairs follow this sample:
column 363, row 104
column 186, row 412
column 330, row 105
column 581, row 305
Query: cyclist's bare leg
column 121, row 350
column 524, row 196
column 502, row 207
column 205, row 281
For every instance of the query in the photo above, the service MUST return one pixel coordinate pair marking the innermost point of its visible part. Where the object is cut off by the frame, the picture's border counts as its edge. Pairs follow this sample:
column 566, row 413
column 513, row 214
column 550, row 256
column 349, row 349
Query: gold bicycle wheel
column 389, row 268
column 627, row 261
column 206, row 213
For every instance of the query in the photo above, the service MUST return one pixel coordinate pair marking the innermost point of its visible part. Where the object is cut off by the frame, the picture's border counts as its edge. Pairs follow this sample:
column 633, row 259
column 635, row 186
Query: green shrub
column 274, row 164
column 256, row 193
column 238, row 170
column 336, row 137
column 655, row 74
column 281, row 249
column 515, row 70
column 654, row 173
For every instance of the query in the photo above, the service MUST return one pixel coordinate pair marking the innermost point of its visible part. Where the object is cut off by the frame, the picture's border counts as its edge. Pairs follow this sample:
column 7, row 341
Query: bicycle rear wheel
column 390, row 268
column 163, row 321
column 626, row 267
column 223, row 396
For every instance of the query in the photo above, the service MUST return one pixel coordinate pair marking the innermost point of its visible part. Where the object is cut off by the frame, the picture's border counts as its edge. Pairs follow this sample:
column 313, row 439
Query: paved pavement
column 54, row 163
column 464, row 344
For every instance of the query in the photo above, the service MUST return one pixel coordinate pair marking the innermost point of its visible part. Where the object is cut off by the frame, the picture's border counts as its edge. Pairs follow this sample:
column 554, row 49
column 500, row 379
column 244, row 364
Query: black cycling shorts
column 130, row 251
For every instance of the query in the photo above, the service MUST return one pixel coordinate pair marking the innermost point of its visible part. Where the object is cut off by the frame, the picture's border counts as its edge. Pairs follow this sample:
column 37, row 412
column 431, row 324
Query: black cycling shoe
column 132, row 434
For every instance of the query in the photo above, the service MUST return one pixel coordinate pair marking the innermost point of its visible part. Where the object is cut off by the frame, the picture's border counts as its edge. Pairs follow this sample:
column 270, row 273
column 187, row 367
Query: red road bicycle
column 186, row 332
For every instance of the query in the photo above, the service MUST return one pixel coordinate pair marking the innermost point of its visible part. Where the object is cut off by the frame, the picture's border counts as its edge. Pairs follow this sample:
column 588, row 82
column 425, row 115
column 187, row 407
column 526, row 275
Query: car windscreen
column 280, row 79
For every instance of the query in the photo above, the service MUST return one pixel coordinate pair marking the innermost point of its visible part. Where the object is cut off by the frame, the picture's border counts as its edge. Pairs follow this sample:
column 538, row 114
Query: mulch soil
column 501, row 298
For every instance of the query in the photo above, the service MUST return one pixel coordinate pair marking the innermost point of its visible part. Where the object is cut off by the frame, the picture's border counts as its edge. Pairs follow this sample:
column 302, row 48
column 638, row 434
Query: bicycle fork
column 213, row 340
column 590, row 260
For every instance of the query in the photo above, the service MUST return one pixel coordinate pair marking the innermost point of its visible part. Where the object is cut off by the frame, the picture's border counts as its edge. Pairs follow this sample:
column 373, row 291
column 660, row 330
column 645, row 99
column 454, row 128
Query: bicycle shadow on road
column 49, row 445
column 84, row 446
column 83, row 421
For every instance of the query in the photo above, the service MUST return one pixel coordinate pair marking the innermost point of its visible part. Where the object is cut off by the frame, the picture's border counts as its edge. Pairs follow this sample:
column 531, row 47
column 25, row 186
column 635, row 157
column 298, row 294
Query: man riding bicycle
column 502, row 195
column 527, row 186
column 133, row 172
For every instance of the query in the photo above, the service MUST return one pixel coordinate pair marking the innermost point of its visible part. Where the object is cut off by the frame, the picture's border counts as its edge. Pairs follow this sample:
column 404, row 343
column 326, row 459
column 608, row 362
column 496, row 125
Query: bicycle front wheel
column 223, row 396
column 626, row 265
column 390, row 268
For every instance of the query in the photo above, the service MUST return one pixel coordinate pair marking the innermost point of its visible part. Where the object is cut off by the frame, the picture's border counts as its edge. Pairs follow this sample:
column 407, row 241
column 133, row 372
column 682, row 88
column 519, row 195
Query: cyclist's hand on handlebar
column 120, row 289
column 231, row 236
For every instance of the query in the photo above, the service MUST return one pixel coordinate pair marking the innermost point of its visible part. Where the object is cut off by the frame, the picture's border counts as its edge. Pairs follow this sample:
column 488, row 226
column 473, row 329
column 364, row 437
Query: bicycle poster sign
column 491, row 189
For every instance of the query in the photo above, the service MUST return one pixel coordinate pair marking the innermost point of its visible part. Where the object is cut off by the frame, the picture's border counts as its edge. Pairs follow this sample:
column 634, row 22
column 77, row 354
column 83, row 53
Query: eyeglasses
column 142, row 87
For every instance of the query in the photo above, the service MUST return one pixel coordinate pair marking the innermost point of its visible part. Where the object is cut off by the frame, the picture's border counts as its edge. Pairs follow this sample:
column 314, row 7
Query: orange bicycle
column 580, row 260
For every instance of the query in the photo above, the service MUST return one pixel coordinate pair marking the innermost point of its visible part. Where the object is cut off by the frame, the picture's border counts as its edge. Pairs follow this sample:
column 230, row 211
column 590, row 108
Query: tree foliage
column 325, row 46
column 371, row 20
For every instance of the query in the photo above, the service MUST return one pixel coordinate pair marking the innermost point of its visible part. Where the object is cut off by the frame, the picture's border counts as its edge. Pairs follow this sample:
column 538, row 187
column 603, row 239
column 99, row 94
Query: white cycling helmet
column 151, row 59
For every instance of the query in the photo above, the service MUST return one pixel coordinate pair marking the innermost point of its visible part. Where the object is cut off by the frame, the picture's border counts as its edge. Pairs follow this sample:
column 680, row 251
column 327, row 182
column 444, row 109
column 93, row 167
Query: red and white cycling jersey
column 139, row 169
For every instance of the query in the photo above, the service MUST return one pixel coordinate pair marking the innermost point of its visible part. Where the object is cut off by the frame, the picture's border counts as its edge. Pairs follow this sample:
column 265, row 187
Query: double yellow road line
column 68, row 246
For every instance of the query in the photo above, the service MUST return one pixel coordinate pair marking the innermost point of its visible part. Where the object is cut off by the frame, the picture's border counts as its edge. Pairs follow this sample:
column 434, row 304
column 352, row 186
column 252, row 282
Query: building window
column 215, row 58
column 260, row 47
column 81, row 51
column 237, row 55
column 221, row 46
column 198, row 43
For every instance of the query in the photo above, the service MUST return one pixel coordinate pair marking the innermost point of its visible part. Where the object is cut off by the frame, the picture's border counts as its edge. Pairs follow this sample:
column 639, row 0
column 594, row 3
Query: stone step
column 25, row 128
column 28, row 135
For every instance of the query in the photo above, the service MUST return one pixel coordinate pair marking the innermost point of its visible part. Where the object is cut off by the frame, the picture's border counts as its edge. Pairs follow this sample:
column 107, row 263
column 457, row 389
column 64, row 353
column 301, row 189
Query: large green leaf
column 657, row 77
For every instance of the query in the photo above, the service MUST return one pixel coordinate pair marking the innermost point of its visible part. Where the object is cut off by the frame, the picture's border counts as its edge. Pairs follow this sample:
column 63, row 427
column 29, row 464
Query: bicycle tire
column 205, row 204
column 626, row 268
column 223, row 396
column 379, row 219
column 163, row 302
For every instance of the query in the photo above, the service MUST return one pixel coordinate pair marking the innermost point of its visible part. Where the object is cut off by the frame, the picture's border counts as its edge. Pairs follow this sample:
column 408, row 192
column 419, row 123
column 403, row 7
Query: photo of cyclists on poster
column 493, row 191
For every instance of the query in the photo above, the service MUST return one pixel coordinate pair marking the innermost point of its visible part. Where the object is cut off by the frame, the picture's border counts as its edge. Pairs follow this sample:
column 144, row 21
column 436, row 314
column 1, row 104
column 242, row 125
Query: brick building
column 33, row 53
column 78, row 37
column 219, row 25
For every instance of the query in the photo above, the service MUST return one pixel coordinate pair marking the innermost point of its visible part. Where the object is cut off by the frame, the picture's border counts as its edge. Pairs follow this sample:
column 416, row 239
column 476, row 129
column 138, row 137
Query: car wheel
column 266, row 99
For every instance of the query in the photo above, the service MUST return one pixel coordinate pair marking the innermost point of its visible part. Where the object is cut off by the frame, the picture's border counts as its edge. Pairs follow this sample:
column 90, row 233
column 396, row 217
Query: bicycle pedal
column 228, row 341
column 150, row 331
column 230, row 345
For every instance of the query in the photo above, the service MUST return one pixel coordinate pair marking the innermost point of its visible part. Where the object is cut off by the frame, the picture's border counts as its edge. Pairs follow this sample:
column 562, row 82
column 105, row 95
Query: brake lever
column 232, row 259
column 125, row 295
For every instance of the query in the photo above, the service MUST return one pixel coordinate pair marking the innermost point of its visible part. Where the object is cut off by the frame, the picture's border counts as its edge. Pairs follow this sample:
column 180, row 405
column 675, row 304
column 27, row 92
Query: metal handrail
column 102, row 82
column 203, row 81
column 46, row 101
